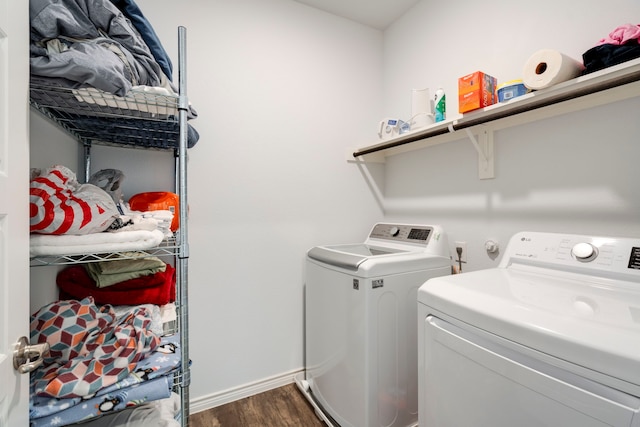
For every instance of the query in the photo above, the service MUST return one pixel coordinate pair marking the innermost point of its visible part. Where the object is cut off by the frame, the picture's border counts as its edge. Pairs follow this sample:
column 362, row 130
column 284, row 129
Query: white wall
column 570, row 173
column 282, row 91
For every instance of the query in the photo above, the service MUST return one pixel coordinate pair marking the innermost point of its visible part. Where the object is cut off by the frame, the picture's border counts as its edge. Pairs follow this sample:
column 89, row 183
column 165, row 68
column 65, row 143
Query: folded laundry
column 621, row 45
column 151, row 380
column 608, row 55
column 126, row 265
column 119, row 241
column 159, row 288
column 108, row 273
column 131, row 10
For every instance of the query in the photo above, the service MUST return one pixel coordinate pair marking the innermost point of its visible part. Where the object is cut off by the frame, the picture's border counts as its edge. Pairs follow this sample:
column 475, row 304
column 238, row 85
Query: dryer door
column 470, row 378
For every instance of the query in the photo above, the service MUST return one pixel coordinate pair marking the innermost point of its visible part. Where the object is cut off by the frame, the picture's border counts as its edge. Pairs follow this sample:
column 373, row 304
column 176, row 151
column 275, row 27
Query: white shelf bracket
column 485, row 152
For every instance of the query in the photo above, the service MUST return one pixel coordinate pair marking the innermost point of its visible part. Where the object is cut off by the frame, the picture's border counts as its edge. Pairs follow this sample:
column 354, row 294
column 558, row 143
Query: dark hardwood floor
column 281, row 407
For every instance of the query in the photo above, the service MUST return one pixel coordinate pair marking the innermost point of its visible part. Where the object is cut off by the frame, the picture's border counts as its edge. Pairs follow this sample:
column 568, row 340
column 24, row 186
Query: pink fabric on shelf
column 622, row 35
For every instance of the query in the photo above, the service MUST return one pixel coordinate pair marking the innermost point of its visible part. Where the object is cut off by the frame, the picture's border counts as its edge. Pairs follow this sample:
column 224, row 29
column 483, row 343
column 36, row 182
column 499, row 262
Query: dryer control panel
column 588, row 254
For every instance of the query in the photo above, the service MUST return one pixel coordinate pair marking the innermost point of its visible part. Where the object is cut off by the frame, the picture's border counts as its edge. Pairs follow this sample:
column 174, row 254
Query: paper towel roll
column 421, row 114
column 548, row 67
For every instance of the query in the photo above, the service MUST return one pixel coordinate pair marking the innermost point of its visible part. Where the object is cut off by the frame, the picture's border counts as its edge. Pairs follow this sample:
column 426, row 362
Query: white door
column 14, row 199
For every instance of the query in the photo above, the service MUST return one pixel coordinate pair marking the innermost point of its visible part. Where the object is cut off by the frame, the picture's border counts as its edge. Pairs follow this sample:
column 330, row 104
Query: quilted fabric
column 90, row 347
column 142, row 385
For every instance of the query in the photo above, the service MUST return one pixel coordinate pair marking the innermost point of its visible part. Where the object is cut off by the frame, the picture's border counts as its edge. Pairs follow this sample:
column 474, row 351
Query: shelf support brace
column 485, row 152
column 86, row 158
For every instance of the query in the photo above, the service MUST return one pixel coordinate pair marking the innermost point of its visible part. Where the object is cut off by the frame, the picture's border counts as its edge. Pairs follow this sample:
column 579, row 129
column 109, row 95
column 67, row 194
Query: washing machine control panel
column 402, row 233
column 575, row 252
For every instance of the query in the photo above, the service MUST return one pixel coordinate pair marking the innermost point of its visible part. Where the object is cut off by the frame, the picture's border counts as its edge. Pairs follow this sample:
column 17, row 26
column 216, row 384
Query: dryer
column 551, row 337
column 360, row 329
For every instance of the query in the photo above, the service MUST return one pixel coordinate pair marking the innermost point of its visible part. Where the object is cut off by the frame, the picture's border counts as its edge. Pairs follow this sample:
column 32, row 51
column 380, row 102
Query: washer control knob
column 584, row 252
column 394, row 231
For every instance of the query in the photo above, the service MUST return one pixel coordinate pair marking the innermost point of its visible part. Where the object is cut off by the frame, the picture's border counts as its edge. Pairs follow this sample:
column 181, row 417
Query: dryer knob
column 584, row 252
column 394, row 231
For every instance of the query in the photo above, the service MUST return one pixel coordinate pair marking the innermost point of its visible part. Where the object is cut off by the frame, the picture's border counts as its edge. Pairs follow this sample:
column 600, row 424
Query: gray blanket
column 89, row 42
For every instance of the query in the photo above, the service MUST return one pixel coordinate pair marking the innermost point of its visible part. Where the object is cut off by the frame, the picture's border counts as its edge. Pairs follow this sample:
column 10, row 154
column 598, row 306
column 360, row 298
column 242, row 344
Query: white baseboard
column 226, row 396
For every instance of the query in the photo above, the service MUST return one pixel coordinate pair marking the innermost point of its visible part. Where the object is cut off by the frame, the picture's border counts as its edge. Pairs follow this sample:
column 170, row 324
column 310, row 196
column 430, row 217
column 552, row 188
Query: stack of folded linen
column 120, row 282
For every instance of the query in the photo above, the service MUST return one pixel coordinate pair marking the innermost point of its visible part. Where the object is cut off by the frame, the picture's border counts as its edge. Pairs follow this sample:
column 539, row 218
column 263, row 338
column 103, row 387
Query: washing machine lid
column 365, row 260
column 349, row 256
column 592, row 322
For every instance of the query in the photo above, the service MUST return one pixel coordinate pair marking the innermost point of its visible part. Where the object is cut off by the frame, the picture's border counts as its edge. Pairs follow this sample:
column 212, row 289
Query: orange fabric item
column 157, row 200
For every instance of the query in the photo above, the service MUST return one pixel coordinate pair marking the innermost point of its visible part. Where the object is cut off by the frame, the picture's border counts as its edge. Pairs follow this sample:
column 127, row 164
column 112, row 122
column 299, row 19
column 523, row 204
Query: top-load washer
column 551, row 337
column 360, row 328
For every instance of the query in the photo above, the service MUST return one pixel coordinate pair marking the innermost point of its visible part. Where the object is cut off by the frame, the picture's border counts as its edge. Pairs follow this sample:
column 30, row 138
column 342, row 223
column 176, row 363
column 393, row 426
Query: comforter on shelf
column 102, row 59
column 90, row 347
column 87, row 327
column 150, row 381
column 92, row 42
column 140, row 22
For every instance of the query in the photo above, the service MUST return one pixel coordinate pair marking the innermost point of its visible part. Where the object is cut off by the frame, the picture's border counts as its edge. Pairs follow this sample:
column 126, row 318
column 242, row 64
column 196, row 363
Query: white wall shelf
column 602, row 87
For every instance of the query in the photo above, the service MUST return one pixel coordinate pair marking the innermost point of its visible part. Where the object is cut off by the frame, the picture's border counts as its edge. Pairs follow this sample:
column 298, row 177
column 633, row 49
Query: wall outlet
column 463, row 256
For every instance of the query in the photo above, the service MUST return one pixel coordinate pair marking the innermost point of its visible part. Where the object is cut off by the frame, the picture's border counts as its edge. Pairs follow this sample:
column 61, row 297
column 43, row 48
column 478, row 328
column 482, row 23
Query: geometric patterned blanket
column 141, row 386
column 90, row 347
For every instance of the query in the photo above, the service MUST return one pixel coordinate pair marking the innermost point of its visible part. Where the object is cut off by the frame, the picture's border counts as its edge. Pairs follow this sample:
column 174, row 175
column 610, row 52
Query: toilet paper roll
column 548, row 67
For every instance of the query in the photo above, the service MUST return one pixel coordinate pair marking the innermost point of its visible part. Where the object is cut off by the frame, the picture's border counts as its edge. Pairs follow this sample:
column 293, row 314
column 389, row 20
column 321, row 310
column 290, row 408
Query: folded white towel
column 43, row 245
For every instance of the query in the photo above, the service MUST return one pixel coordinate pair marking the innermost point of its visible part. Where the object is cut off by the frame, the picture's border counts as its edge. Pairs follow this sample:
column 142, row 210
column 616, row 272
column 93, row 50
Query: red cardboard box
column 476, row 90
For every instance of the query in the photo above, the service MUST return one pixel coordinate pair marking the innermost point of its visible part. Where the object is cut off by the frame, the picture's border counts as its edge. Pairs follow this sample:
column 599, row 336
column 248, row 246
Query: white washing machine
column 360, row 329
column 551, row 337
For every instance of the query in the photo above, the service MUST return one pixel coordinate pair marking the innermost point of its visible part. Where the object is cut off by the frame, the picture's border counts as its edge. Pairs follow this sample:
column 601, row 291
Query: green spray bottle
column 440, row 106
